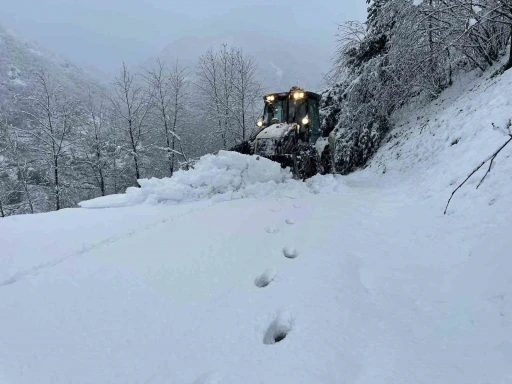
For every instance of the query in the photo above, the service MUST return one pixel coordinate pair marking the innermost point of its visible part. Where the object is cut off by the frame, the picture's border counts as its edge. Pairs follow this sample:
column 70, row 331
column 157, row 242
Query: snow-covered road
column 383, row 288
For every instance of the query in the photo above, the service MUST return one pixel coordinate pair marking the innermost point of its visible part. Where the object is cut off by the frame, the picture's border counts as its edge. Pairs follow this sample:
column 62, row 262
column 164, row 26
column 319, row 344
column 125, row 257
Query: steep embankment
column 433, row 148
column 357, row 279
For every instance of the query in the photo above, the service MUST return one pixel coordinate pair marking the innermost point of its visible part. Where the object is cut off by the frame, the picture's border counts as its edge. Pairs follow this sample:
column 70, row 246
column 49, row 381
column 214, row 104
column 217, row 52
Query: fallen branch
column 491, row 158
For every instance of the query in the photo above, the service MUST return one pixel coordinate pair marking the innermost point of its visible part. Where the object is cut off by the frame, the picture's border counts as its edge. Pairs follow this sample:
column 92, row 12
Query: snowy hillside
column 20, row 58
column 234, row 273
column 437, row 146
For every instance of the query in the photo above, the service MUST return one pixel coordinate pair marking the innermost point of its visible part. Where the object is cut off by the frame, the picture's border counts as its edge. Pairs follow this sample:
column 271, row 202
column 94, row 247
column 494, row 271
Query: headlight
column 298, row 95
column 271, row 98
column 305, row 121
column 259, row 123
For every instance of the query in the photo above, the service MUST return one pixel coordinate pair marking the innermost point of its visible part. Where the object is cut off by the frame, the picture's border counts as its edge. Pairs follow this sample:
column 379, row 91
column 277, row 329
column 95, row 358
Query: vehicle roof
column 282, row 95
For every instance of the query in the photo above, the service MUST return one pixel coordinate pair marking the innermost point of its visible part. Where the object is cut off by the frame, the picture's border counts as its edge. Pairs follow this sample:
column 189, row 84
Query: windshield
column 275, row 112
column 285, row 111
column 297, row 111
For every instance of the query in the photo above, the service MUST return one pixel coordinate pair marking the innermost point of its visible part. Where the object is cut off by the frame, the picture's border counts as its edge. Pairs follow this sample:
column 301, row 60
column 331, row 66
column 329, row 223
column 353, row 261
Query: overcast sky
column 106, row 32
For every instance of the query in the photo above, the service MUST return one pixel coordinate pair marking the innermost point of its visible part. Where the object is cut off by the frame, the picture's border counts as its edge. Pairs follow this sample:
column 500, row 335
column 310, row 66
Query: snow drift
column 221, row 177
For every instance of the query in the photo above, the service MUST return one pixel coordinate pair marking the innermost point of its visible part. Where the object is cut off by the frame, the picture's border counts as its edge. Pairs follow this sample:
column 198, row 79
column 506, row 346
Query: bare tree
column 8, row 186
column 496, row 15
column 247, row 90
column 228, row 85
column 94, row 146
column 210, row 83
column 226, row 64
column 22, row 165
column 169, row 88
column 52, row 116
column 132, row 104
column 349, row 36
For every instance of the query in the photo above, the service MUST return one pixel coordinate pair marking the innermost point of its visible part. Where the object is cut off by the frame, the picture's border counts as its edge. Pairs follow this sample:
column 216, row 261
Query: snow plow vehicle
column 287, row 132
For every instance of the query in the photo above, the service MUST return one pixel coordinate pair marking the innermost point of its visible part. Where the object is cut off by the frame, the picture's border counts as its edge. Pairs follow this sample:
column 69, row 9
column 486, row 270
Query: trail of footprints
column 282, row 324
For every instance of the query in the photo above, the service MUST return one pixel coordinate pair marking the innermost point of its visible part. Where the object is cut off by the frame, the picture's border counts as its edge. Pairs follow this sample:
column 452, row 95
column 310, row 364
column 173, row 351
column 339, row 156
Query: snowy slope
column 363, row 276
column 20, row 58
column 433, row 148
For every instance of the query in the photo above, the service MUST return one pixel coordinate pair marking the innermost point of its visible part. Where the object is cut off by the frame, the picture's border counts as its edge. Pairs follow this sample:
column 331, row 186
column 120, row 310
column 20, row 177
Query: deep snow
column 222, row 177
column 381, row 286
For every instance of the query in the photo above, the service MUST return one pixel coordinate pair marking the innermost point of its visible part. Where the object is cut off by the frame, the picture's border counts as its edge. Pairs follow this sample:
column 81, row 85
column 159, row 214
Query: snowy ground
column 359, row 279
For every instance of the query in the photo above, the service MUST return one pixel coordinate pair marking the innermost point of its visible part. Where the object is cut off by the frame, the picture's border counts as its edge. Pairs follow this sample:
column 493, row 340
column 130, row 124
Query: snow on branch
column 172, row 133
column 168, row 149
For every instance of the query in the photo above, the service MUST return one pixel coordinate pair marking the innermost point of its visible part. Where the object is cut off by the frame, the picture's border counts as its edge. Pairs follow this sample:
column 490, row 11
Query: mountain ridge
column 20, row 58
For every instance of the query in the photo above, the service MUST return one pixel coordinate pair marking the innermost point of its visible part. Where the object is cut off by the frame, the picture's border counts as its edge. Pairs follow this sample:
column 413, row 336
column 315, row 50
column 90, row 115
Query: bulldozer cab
column 296, row 106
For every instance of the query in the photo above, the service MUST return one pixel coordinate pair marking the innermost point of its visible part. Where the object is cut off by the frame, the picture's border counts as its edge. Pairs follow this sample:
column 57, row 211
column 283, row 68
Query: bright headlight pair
column 298, row 95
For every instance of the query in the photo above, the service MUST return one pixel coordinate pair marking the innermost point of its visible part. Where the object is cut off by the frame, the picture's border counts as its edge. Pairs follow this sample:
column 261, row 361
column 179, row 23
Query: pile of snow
column 222, row 177
column 225, row 176
column 327, row 184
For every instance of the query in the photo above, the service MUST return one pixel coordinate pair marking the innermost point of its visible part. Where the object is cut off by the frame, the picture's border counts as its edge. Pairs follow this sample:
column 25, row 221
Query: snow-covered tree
column 18, row 171
column 9, row 186
column 52, row 117
column 95, row 149
column 132, row 103
column 228, row 90
column 247, row 91
column 170, row 92
column 406, row 50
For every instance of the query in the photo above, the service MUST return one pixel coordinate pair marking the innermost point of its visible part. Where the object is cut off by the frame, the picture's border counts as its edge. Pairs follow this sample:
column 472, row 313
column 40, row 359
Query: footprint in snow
column 271, row 229
column 266, row 278
column 279, row 328
column 290, row 221
column 275, row 209
column 290, row 252
column 296, row 205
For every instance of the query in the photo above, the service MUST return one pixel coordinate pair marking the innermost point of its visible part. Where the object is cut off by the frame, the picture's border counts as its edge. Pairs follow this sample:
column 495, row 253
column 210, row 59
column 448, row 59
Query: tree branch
column 491, row 158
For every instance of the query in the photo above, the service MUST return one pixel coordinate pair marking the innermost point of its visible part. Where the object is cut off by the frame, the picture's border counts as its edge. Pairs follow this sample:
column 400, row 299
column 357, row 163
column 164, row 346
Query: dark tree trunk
column 170, row 155
column 2, row 213
column 115, row 176
column 134, row 154
column 509, row 64
column 430, row 35
column 56, row 181
column 102, row 183
column 137, row 171
column 450, row 70
column 174, row 125
column 27, row 192
column 100, row 169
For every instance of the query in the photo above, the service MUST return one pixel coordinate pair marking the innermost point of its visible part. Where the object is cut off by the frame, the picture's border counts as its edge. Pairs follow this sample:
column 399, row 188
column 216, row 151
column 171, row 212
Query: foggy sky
column 106, row 32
